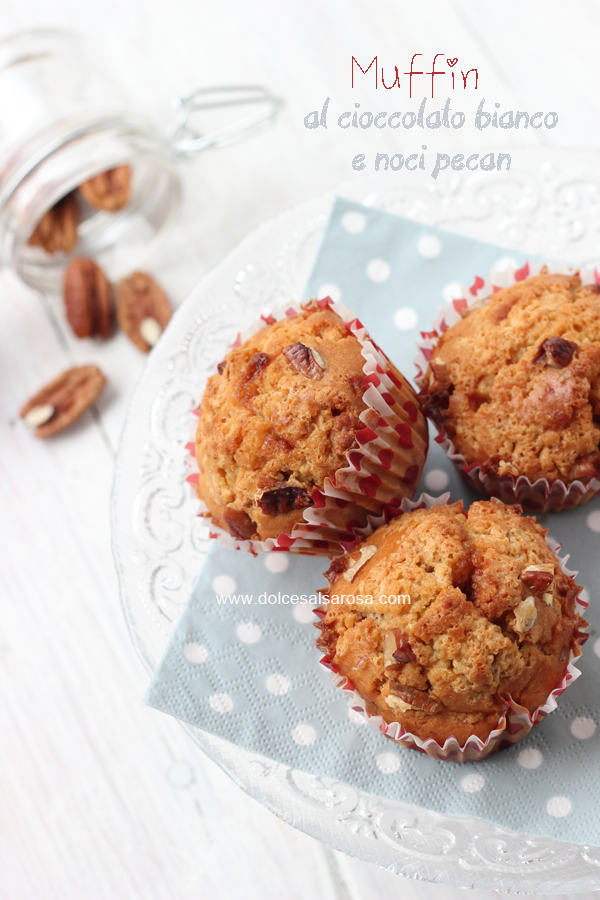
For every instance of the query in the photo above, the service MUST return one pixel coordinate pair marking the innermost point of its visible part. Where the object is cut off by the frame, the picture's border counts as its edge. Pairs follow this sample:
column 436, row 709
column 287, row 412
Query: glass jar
column 62, row 121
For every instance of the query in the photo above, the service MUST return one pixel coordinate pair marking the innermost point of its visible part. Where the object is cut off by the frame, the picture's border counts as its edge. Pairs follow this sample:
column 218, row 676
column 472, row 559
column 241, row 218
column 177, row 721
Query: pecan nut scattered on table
column 88, row 299
column 63, row 401
column 143, row 310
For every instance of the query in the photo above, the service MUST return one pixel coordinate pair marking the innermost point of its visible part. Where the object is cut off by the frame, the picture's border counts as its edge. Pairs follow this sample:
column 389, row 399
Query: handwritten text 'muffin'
column 463, row 81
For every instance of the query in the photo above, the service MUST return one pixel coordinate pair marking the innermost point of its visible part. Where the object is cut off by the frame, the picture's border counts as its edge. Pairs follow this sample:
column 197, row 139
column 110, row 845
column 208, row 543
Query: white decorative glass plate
column 550, row 204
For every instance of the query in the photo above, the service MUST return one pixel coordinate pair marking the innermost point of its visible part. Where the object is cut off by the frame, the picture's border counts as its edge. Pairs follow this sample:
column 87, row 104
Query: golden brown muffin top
column 277, row 420
column 490, row 613
column 516, row 382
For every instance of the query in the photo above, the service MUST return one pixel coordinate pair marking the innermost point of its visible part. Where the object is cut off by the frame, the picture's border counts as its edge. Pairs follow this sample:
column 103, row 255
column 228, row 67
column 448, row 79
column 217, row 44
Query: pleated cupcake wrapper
column 515, row 722
column 364, row 494
column 539, row 496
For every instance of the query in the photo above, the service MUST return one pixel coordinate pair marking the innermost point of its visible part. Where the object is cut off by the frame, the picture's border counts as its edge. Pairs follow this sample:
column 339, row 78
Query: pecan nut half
column 555, row 352
column 239, row 523
column 143, row 310
column 57, row 229
column 88, row 299
column 414, row 697
column 396, row 648
column 538, row 578
column 61, row 402
column 256, row 366
column 305, row 360
column 365, row 554
column 404, row 652
column 284, row 500
column 108, row 190
column 525, row 616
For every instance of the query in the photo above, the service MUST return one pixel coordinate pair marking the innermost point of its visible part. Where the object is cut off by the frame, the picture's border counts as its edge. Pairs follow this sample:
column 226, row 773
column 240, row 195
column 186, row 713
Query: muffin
column 515, row 386
column 307, row 435
column 443, row 619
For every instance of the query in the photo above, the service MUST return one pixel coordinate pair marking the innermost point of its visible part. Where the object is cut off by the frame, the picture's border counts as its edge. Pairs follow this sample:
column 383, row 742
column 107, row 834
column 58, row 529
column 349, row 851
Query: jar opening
column 118, row 240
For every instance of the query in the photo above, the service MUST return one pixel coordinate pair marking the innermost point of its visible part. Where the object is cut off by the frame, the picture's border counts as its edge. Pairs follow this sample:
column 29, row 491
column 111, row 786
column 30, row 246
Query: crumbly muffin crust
column 516, row 382
column 490, row 614
column 276, row 421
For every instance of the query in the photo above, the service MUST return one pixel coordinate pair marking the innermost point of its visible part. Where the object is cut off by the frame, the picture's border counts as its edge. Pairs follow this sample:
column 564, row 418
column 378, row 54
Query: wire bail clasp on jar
column 187, row 142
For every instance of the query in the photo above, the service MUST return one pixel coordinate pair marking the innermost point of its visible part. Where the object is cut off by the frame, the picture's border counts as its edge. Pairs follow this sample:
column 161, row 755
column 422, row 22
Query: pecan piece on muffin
column 515, row 384
column 482, row 610
column 284, row 414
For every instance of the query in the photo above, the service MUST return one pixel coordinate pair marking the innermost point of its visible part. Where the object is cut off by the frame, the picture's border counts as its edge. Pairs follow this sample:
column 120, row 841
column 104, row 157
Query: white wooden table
column 103, row 798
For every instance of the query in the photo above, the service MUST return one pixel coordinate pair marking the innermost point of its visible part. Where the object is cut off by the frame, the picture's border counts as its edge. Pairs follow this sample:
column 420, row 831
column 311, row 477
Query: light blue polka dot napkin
column 249, row 672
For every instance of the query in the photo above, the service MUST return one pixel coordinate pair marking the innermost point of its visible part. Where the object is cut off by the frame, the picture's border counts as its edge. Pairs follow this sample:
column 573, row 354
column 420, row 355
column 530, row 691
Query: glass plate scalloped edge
column 549, row 206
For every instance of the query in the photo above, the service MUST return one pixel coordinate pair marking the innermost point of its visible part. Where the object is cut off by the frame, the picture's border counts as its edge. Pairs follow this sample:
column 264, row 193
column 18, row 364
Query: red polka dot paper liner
column 515, row 722
column 539, row 496
column 382, row 469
